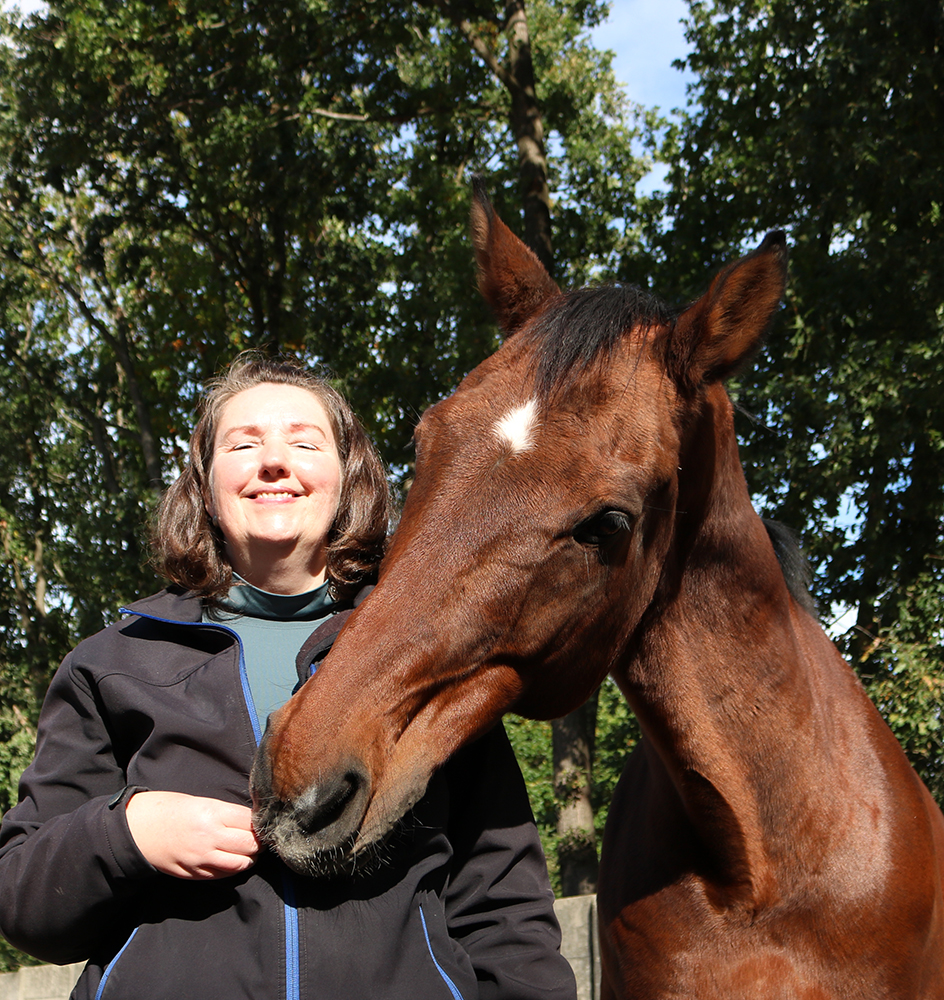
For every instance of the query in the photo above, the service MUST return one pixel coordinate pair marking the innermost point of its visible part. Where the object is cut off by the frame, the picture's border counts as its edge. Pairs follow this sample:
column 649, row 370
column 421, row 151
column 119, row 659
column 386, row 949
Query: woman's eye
column 602, row 527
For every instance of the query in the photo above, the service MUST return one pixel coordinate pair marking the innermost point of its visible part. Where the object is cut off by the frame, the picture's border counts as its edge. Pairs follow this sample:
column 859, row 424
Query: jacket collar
column 321, row 640
column 170, row 604
column 176, row 604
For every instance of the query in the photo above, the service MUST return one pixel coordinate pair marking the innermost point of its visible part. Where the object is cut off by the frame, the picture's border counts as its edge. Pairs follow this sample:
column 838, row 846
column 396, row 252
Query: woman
column 132, row 845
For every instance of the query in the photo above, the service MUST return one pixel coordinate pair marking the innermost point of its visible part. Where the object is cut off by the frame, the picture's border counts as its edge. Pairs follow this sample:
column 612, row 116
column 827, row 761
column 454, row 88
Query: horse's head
column 531, row 545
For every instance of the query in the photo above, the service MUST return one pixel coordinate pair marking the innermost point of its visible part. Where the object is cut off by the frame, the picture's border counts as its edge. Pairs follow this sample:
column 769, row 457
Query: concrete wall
column 40, row 982
column 577, row 915
column 579, row 942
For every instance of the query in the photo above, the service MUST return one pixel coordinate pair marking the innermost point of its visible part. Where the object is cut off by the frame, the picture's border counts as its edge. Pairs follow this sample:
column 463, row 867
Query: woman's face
column 275, row 483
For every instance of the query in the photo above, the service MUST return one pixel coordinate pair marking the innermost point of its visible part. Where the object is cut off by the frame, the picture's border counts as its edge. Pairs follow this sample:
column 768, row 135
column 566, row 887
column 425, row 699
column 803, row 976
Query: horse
column 579, row 509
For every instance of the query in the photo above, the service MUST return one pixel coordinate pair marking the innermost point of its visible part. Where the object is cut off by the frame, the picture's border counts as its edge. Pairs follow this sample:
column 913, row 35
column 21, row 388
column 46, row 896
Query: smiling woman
column 275, row 486
column 132, row 845
column 271, row 414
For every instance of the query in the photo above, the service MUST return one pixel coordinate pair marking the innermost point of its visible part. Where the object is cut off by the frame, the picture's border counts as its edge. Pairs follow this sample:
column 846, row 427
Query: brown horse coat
column 579, row 509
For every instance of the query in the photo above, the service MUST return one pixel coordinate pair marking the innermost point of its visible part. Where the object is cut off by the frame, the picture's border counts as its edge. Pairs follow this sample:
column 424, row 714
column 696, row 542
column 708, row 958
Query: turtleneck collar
column 245, row 599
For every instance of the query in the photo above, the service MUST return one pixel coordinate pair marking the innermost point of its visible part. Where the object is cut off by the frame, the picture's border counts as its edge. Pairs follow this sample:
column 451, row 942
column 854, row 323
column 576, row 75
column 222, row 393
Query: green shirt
column 272, row 629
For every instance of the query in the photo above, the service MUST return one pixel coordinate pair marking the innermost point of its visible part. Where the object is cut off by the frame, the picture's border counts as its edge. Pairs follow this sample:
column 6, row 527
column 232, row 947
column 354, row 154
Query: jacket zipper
column 111, row 965
column 290, row 910
column 453, row 989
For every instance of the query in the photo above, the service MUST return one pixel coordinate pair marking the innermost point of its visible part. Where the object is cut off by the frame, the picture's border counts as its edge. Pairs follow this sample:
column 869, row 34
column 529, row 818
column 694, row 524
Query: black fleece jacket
column 460, row 906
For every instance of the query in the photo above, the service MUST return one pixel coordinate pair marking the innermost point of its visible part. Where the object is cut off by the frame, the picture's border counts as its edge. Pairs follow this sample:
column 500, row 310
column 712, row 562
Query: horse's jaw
column 317, row 845
column 333, row 778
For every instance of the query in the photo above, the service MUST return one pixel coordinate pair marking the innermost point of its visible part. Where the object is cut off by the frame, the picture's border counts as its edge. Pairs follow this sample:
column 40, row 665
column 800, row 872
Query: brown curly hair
column 188, row 549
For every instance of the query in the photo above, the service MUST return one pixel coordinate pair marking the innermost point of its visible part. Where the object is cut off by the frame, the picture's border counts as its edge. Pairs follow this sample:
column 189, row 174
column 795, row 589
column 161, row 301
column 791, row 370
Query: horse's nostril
column 335, row 802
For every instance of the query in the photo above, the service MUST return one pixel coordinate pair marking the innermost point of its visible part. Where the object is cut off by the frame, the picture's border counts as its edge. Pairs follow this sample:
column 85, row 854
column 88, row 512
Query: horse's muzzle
column 313, row 830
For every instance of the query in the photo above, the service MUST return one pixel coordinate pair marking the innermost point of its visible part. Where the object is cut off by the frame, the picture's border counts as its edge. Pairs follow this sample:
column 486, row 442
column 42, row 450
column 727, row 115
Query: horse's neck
column 737, row 688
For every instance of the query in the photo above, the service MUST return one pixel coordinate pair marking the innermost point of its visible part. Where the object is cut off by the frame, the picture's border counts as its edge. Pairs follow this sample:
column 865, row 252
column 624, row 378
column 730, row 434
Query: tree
column 822, row 118
column 616, row 734
column 181, row 181
column 515, row 72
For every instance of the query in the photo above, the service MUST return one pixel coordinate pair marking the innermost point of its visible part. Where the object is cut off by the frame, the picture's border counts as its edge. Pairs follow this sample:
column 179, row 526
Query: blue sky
column 646, row 35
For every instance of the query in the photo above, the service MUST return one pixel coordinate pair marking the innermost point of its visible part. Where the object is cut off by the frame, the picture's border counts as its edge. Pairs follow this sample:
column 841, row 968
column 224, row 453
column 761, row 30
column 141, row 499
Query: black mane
column 793, row 564
column 587, row 324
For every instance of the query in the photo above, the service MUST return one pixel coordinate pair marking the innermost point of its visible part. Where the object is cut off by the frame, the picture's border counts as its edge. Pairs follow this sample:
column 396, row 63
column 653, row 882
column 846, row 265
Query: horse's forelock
column 585, row 325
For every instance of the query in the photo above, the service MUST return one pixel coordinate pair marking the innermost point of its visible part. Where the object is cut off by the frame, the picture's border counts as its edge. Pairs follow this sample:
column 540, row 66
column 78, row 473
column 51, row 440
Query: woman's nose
column 275, row 459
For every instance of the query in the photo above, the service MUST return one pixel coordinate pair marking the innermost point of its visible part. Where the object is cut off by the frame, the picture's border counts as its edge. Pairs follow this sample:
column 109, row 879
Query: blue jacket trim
column 292, row 988
column 453, row 989
column 111, row 965
column 244, row 680
column 243, row 675
column 292, row 977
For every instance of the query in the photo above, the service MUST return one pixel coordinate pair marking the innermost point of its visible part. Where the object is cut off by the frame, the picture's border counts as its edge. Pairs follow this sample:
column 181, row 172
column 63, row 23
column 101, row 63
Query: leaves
column 617, row 732
column 182, row 181
column 822, row 118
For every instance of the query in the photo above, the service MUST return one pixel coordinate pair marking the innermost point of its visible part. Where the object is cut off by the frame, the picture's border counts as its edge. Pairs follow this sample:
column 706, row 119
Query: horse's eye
column 602, row 527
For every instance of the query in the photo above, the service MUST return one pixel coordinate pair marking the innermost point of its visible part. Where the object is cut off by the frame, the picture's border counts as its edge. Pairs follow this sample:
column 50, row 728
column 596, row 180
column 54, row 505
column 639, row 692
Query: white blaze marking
column 515, row 430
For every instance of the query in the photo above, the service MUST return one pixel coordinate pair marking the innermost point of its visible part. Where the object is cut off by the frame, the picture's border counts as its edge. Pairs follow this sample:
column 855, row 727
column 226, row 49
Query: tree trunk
column 528, row 125
column 573, row 745
column 526, row 120
column 150, row 445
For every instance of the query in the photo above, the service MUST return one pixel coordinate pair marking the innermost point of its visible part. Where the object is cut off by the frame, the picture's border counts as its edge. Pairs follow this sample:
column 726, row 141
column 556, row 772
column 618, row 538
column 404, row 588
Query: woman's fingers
column 190, row 836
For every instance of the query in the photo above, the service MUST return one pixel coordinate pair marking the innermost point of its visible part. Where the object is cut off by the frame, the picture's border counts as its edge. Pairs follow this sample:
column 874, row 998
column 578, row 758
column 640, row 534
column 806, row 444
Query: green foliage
column 236, row 179
column 822, row 118
column 532, row 745
column 17, row 742
column 902, row 671
column 617, row 732
column 11, row 959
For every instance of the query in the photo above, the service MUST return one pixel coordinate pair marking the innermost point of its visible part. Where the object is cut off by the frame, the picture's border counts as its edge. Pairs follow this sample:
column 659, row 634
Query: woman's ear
column 208, row 504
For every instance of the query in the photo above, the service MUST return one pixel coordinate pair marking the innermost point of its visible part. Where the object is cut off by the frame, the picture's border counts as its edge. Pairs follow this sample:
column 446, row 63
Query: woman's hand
column 189, row 836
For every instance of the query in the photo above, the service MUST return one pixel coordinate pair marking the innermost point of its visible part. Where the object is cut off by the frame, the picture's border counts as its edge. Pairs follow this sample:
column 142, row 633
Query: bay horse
column 579, row 509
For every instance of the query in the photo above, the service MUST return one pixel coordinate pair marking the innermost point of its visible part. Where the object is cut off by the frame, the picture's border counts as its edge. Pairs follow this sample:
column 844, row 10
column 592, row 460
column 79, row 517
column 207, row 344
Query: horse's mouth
column 354, row 857
column 332, row 851
column 316, row 862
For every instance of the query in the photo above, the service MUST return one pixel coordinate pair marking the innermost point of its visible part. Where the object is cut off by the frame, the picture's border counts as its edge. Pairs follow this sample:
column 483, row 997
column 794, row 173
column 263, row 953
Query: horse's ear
column 511, row 278
column 713, row 337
